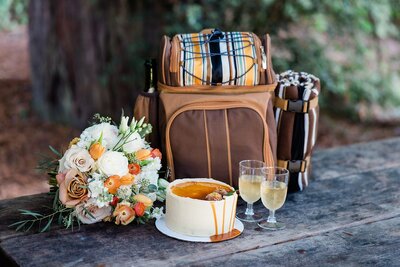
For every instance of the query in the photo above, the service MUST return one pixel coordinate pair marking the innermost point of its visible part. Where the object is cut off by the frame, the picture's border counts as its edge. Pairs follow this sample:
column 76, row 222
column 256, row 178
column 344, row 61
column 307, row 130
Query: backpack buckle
column 298, row 106
column 293, row 165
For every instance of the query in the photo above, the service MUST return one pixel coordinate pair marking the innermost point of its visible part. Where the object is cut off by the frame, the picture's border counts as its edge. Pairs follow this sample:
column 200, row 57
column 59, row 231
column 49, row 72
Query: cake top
column 201, row 190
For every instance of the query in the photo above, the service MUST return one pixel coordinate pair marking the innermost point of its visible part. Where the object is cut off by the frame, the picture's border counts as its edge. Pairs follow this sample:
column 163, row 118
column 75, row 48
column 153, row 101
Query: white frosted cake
column 200, row 207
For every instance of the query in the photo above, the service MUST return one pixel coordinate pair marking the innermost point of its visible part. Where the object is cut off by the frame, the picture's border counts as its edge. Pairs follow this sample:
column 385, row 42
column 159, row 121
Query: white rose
column 133, row 143
column 76, row 158
column 93, row 133
column 113, row 163
column 96, row 214
column 123, row 126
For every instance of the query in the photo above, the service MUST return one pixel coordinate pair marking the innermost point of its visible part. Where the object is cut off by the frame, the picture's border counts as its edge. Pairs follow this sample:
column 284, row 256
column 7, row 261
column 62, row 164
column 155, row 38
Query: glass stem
column 271, row 217
column 249, row 210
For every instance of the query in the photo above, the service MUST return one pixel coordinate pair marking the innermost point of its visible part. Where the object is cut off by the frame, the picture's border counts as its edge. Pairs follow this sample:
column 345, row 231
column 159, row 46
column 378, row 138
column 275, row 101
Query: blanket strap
column 299, row 106
column 294, row 165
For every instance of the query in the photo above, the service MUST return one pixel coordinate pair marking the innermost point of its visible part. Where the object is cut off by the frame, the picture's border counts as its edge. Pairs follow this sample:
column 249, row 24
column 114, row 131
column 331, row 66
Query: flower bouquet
column 109, row 173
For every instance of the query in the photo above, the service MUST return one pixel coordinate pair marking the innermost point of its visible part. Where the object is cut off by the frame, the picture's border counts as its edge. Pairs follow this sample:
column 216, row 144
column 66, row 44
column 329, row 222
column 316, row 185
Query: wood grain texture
column 346, row 160
column 345, row 217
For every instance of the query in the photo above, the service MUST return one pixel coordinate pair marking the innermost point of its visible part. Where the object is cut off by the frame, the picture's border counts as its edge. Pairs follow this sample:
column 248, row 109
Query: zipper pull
column 263, row 57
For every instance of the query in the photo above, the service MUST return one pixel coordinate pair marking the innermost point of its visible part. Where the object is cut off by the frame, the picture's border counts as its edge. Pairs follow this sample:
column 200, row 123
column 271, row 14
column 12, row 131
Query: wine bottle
column 150, row 67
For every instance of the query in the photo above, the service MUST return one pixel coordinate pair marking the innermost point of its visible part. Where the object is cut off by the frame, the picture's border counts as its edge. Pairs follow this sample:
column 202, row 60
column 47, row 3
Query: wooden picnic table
column 348, row 216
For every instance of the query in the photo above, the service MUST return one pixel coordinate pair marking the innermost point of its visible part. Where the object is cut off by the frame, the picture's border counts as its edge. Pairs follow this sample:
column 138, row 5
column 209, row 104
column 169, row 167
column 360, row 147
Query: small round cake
column 200, row 207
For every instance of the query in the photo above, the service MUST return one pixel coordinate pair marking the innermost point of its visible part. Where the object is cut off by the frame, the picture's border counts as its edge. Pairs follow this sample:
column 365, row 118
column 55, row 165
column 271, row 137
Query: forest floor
column 24, row 137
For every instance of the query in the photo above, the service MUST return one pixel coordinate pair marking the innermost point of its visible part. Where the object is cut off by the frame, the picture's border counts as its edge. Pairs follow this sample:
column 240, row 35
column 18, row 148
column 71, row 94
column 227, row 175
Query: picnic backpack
column 214, row 104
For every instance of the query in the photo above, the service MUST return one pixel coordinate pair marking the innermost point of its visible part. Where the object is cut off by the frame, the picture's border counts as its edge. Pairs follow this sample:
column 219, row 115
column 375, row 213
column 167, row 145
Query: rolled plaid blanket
column 296, row 114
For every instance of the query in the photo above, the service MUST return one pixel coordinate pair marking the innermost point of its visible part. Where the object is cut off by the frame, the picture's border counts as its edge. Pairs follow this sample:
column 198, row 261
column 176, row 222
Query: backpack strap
column 294, row 165
column 299, row 106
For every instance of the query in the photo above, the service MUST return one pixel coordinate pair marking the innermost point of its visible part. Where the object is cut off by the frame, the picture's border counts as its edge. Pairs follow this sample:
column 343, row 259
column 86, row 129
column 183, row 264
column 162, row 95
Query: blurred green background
column 351, row 45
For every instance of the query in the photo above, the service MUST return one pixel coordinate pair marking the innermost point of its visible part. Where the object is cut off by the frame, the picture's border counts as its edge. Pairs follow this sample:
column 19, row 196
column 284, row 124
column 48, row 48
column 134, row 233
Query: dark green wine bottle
column 150, row 76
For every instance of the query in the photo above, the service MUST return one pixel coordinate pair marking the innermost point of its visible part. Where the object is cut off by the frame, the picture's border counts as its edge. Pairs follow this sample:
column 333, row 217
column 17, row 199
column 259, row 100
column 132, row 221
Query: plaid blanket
column 226, row 58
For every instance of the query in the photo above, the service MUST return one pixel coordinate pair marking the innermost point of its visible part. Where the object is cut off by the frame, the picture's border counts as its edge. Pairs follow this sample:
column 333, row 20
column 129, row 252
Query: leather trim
column 209, row 89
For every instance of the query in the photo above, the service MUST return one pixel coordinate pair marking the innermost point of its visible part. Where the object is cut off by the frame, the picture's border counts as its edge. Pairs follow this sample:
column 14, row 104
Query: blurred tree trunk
column 84, row 55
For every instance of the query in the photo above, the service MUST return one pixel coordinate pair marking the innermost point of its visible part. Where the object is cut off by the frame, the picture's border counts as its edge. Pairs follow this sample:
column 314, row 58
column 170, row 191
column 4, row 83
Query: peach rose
column 142, row 154
column 96, row 151
column 144, row 199
column 112, row 183
column 73, row 188
column 123, row 213
column 88, row 212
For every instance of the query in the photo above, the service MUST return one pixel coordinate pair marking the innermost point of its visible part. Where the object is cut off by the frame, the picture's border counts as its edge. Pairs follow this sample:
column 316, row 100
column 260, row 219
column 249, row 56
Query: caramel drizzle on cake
column 212, row 192
column 223, row 216
column 215, row 218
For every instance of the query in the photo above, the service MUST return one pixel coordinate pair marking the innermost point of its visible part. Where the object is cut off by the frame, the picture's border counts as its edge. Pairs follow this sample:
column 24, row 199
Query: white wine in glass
column 250, row 178
column 250, row 187
column 273, row 192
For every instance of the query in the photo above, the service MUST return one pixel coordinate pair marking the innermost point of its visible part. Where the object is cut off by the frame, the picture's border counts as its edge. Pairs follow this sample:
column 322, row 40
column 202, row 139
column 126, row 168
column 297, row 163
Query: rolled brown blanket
column 296, row 113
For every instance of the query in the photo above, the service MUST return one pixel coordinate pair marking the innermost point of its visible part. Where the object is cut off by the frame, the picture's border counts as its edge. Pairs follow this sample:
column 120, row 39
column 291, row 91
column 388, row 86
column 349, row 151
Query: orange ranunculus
column 96, row 151
column 155, row 153
column 134, row 168
column 139, row 208
column 142, row 154
column 113, row 183
column 127, row 179
column 123, row 213
column 144, row 199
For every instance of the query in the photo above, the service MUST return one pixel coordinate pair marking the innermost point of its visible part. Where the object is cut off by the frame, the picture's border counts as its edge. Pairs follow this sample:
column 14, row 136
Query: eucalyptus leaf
column 55, row 151
column 152, row 188
column 31, row 213
column 47, row 226
column 20, row 226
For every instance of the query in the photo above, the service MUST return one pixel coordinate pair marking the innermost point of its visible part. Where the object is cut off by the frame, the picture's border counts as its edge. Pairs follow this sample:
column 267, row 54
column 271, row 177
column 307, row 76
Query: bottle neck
column 150, row 76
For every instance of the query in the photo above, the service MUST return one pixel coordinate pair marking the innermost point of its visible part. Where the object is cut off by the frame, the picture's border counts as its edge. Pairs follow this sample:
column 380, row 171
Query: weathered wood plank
column 357, row 158
column 326, row 206
column 375, row 244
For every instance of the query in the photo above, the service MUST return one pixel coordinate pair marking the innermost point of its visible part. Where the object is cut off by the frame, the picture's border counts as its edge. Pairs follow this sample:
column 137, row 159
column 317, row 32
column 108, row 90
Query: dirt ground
column 23, row 136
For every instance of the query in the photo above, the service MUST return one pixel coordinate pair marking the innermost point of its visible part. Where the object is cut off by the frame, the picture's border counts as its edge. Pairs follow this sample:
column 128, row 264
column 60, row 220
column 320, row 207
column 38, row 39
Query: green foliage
column 13, row 13
column 344, row 42
column 341, row 41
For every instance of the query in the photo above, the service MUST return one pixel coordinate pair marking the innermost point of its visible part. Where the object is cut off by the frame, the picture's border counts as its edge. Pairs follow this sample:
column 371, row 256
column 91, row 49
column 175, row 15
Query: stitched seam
column 228, row 143
column 207, row 144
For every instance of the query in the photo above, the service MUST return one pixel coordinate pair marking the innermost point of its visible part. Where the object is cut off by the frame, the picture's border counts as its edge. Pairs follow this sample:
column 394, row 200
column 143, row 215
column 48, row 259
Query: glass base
column 272, row 226
column 249, row 218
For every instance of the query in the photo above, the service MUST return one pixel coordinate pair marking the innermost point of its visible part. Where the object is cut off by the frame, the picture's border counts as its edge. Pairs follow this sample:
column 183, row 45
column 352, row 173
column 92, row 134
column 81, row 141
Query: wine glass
column 250, row 178
column 273, row 192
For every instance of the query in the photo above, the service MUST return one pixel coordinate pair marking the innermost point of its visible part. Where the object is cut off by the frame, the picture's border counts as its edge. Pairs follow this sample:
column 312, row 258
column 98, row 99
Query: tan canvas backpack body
column 214, row 105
